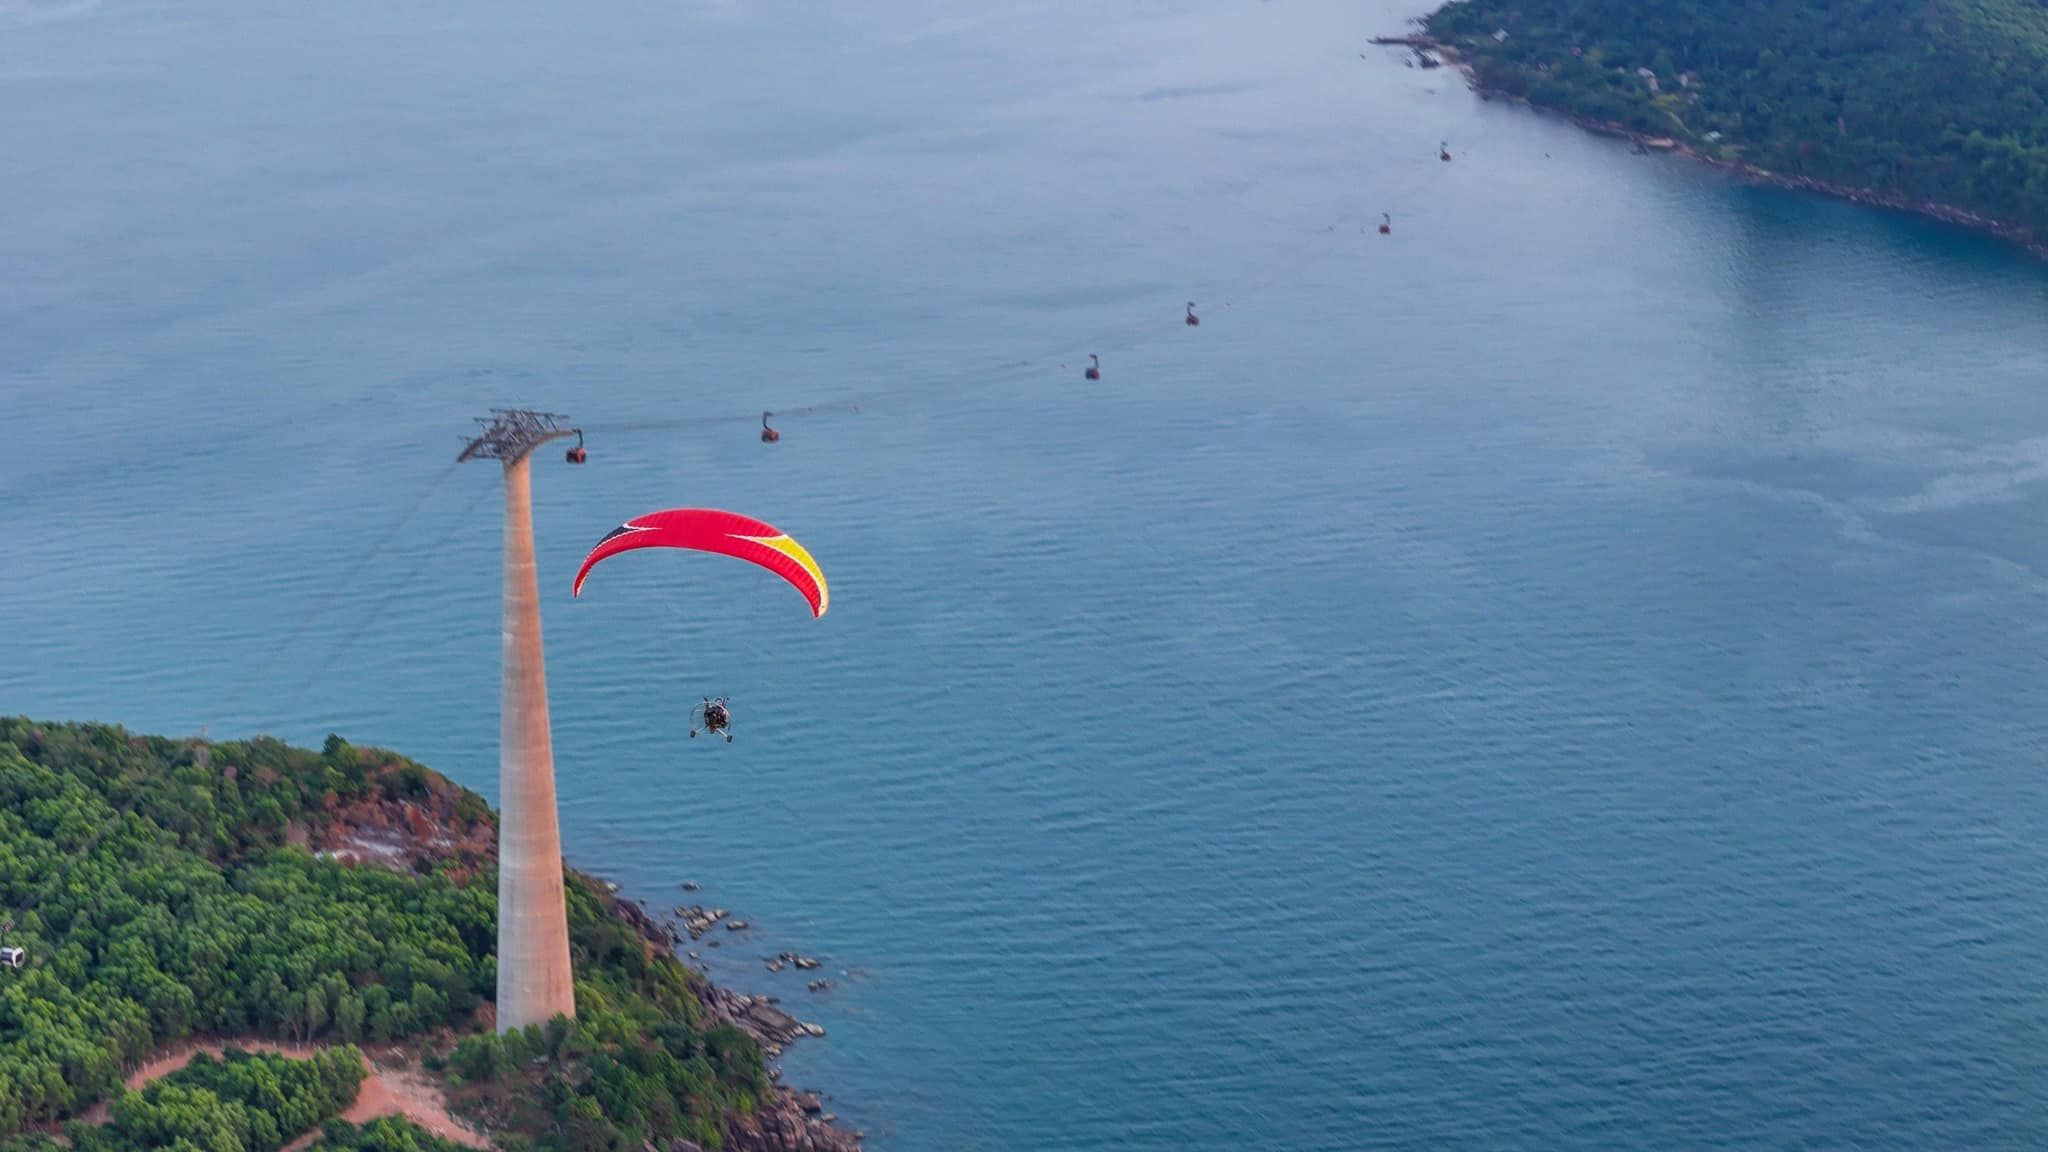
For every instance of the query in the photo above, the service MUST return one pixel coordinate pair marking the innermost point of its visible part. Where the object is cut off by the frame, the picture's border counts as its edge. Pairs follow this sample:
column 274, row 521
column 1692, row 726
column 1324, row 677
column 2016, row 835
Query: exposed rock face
column 767, row 1022
column 785, row 1128
column 648, row 927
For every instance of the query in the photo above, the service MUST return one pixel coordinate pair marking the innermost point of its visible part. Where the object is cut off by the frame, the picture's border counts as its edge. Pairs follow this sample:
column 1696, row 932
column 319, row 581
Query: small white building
column 13, row 957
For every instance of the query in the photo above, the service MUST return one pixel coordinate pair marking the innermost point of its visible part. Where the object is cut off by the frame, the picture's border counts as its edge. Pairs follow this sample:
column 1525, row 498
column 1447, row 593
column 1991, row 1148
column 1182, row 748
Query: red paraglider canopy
column 727, row 533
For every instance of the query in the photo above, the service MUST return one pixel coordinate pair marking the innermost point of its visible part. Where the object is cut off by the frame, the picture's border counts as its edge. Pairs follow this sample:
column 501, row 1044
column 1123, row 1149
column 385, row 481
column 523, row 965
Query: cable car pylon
column 534, row 980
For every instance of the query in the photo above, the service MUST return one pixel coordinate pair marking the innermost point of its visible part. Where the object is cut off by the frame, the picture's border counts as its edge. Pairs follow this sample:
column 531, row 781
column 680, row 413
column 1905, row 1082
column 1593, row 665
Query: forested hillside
column 164, row 890
column 1929, row 100
column 244, row 1102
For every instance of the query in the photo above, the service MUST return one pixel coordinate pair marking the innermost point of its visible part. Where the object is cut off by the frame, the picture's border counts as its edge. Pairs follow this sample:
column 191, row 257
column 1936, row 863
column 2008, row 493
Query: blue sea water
column 1566, row 675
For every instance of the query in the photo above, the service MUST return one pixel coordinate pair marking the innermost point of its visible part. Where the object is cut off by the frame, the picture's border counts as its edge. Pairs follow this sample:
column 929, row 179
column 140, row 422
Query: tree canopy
column 243, row 1102
column 386, row 1134
column 1927, row 100
column 166, row 889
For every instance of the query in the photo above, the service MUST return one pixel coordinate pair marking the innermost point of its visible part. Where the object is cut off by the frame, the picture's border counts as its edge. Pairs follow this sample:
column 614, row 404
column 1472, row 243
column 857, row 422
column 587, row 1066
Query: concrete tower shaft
column 535, row 983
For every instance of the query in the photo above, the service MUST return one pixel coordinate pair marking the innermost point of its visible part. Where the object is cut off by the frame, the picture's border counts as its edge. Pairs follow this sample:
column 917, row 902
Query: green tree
column 316, row 1011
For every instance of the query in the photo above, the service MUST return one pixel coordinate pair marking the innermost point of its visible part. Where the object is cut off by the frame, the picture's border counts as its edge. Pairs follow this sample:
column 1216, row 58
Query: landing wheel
column 728, row 737
column 693, row 733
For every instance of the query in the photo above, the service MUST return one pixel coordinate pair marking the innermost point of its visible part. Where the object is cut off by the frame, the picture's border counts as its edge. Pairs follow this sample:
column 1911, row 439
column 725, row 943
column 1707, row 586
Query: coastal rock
column 785, row 1128
column 819, row 985
column 692, row 886
column 774, row 1022
column 737, row 925
column 641, row 922
column 698, row 920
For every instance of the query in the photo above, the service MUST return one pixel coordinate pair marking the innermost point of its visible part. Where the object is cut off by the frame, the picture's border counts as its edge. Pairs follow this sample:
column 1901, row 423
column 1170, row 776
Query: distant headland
column 1937, row 111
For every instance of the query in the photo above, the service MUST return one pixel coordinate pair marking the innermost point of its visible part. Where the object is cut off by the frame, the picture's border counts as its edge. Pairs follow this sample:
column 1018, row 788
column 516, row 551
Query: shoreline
column 797, row 1122
column 406, row 836
column 2015, row 234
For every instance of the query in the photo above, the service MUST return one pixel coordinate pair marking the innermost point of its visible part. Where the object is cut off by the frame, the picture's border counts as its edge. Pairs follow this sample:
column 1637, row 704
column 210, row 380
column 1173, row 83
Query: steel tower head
column 511, row 434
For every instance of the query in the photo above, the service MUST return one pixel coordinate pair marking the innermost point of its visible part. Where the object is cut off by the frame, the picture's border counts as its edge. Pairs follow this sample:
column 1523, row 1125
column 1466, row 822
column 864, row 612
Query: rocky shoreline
column 795, row 1121
column 1430, row 53
column 409, row 835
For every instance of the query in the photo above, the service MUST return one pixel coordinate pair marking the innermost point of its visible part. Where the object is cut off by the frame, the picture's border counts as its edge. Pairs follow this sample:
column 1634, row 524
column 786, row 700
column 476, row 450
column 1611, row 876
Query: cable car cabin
column 577, row 455
column 13, row 957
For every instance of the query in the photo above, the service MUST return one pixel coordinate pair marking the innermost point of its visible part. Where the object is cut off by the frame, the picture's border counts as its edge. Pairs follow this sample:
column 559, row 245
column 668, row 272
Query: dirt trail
column 391, row 1089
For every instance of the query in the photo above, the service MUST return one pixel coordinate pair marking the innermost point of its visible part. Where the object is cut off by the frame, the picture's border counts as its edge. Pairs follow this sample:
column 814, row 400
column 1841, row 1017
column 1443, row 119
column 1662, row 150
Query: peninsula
column 246, row 947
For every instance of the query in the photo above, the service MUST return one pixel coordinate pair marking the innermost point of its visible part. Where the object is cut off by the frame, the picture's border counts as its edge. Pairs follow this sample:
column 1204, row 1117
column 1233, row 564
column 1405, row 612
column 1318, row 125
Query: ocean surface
column 1566, row 675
